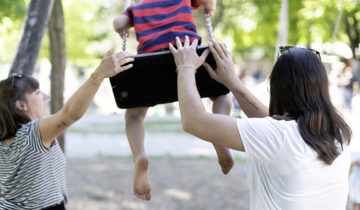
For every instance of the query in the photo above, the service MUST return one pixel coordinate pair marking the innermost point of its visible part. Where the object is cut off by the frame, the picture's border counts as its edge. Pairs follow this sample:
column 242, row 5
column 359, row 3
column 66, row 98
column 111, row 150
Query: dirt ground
column 177, row 184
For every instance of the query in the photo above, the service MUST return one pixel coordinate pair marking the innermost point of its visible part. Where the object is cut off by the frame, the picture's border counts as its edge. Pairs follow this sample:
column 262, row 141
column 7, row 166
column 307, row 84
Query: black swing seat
column 153, row 80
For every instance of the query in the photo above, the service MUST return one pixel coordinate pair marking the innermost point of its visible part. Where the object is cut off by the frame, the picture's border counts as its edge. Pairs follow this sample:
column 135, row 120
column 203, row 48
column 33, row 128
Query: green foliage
column 11, row 15
column 80, row 19
column 246, row 26
column 13, row 9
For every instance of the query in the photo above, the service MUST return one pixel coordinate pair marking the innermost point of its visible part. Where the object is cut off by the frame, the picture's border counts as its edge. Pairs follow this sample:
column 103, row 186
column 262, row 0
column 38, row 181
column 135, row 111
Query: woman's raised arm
column 218, row 129
column 54, row 125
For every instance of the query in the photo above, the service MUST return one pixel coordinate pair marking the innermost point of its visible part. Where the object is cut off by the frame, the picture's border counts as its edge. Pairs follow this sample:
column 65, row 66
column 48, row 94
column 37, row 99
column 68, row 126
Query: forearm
column 215, row 128
column 252, row 106
column 191, row 107
column 79, row 102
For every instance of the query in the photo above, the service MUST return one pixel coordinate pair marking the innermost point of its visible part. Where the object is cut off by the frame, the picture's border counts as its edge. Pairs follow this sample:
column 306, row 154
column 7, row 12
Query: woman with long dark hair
column 32, row 165
column 297, row 149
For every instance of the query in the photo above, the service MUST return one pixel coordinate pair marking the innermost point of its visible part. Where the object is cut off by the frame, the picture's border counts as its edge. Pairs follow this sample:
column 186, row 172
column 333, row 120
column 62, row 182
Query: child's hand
column 124, row 33
column 209, row 11
column 121, row 24
column 209, row 7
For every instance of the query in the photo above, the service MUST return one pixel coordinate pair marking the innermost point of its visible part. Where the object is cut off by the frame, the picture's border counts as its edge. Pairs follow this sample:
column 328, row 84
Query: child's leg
column 222, row 105
column 135, row 132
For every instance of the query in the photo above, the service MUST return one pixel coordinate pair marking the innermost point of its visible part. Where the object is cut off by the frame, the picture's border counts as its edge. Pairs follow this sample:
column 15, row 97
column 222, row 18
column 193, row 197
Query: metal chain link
column 125, row 36
column 209, row 26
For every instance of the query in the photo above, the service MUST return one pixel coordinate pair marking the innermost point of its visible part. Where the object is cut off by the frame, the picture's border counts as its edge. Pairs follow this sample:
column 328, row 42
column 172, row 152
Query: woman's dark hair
column 12, row 89
column 299, row 89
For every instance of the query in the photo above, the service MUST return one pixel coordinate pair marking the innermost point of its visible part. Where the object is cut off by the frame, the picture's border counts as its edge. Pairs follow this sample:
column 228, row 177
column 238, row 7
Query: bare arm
column 218, row 129
column 121, row 24
column 75, row 107
column 225, row 74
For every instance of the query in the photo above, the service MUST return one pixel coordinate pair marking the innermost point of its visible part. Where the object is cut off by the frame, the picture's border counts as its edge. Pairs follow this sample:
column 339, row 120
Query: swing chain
column 125, row 36
column 209, row 26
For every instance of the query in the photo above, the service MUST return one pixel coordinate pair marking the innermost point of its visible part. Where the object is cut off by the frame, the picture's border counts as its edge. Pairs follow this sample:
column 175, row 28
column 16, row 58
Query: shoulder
column 267, row 123
column 28, row 128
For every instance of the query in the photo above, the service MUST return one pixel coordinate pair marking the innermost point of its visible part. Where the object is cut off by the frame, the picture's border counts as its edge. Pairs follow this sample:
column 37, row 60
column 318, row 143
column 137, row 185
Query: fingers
column 224, row 49
column 126, row 60
column 218, row 49
column 210, row 12
column 195, row 43
column 123, row 68
column 204, row 54
column 110, row 52
column 178, row 43
column 210, row 70
column 172, row 49
column 120, row 55
column 187, row 41
column 214, row 52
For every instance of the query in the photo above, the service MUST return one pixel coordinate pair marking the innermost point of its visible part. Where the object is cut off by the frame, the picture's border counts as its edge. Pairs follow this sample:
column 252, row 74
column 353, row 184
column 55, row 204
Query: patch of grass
column 158, row 126
column 240, row 159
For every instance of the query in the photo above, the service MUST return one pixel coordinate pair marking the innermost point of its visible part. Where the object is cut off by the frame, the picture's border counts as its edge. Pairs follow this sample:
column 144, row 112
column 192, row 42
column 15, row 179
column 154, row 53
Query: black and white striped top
column 31, row 175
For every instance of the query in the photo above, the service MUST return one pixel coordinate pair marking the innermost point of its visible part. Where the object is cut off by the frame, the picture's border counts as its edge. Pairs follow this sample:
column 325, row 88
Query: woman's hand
column 186, row 56
column 112, row 64
column 224, row 72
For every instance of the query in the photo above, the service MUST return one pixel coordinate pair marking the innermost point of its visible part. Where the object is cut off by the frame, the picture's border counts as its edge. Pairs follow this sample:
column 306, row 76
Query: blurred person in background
column 354, row 183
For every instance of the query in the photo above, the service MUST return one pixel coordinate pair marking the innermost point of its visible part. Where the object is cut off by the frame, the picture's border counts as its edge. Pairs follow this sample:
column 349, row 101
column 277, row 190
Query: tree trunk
column 282, row 37
column 352, row 31
column 36, row 21
column 58, row 60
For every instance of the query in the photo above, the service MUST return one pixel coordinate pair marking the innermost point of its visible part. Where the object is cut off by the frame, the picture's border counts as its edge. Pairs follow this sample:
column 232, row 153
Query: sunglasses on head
column 283, row 49
column 13, row 76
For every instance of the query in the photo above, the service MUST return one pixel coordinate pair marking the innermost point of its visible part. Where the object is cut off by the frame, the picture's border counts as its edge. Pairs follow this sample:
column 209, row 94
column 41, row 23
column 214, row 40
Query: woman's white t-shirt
column 285, row 173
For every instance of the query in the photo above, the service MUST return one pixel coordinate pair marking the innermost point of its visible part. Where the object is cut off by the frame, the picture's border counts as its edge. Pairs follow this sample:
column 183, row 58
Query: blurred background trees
column 249, row 27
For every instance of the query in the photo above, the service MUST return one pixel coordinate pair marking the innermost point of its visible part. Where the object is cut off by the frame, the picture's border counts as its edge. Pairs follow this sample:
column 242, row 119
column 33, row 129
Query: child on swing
column 157, row 23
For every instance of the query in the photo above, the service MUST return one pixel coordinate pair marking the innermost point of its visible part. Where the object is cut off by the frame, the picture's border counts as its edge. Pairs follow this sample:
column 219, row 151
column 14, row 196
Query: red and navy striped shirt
column 158, row 22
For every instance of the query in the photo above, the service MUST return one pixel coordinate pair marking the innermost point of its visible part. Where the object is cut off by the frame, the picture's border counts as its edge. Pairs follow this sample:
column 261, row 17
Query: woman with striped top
column 32, row 165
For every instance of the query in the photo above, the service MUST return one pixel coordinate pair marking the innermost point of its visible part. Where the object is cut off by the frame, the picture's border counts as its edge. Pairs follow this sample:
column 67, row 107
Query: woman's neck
column 8, row 141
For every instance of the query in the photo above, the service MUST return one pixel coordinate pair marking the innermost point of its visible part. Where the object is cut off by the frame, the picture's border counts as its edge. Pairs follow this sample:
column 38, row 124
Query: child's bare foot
column 142, row 187
column 225, row 159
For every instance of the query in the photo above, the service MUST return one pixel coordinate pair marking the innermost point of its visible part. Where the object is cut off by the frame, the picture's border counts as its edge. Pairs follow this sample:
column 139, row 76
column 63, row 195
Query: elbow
column 191, row 123
column 186, row 125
